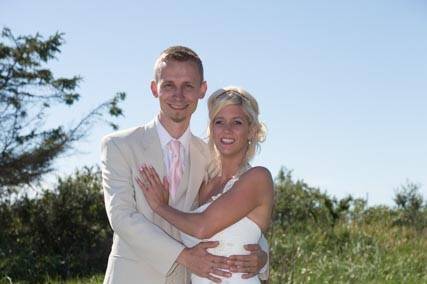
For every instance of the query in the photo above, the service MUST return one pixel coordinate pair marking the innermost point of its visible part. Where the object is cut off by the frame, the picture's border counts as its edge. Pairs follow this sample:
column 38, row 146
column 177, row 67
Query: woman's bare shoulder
column 259, row 176
column 259, row 172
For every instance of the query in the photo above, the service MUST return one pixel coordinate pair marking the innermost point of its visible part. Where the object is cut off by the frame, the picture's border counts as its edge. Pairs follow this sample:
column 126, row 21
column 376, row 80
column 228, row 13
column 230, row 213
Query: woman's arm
column 253, row 189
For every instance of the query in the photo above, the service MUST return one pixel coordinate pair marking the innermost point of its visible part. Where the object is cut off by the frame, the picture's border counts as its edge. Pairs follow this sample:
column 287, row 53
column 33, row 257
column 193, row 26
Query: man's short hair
column 181, row 54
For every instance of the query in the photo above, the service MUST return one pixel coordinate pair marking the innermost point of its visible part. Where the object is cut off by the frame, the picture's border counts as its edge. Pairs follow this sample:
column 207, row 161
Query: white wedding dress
column 231, row 242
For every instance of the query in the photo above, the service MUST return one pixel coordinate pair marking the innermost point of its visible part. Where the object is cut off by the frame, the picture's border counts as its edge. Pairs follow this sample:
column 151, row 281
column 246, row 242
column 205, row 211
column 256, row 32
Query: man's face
column 178, row 88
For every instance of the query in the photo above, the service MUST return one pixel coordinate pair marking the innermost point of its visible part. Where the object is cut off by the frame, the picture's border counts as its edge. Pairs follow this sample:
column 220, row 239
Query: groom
column 146, row 248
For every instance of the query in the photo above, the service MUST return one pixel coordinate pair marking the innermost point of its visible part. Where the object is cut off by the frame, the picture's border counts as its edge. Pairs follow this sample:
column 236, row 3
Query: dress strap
column 235, row 178
column 229, row 184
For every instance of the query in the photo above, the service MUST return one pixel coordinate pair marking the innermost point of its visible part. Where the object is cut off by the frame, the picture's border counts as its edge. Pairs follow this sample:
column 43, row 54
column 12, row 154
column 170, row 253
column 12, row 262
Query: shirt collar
column 165, row 137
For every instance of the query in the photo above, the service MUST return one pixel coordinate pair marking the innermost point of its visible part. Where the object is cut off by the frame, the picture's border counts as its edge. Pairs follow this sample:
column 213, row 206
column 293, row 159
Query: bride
column 236, row 199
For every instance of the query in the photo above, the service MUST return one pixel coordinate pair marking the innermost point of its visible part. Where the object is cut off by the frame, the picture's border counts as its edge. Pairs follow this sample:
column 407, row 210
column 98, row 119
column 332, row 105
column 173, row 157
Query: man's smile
column 178, row 106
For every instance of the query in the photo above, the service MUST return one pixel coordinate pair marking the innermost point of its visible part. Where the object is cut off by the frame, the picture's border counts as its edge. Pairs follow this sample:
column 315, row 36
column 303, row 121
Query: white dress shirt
column 165, row 138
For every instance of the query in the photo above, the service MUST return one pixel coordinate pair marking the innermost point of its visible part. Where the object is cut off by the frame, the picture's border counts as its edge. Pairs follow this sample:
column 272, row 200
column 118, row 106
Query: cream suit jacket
column 145, row 247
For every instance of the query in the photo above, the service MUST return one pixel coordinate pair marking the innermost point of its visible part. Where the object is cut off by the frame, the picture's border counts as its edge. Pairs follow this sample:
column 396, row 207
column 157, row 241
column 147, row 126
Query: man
column 146, row 249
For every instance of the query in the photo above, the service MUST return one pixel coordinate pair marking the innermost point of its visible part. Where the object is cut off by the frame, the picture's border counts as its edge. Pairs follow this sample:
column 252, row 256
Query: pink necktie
column 175, row 172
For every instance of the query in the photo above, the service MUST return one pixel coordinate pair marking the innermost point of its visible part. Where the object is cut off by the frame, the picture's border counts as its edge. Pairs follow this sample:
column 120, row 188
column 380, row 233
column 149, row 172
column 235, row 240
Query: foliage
column 318, row 239
column 27, row 90
column 409, row 206
column 63, row 233
column 300, row 206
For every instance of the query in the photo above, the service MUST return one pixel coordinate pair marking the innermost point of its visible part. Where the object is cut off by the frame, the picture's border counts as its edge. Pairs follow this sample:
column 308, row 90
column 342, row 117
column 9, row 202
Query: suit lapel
column 152, row 151
column 197, row 173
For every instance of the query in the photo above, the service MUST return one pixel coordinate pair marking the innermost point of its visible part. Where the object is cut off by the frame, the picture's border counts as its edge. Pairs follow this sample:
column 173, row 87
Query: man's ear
column 153, row 88
column 203, row 89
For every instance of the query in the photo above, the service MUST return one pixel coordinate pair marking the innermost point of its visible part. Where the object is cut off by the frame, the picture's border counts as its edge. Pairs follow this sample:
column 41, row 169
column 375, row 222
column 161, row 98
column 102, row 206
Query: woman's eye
column 218, row 122
column 238, row 122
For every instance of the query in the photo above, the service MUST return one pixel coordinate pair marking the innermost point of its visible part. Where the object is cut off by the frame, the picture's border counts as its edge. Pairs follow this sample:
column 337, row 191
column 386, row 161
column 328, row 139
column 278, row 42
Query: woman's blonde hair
column 234, row 96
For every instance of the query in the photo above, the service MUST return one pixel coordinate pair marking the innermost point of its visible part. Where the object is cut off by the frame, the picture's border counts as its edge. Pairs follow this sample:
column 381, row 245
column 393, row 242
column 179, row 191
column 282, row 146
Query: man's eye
column 189, row 86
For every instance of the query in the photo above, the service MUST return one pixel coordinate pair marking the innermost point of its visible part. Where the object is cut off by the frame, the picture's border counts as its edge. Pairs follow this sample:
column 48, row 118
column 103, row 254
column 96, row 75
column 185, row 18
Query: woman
column 236, row 199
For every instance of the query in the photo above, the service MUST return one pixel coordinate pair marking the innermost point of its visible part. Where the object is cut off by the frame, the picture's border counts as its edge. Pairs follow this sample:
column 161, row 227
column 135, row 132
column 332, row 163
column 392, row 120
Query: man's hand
column 204, row 264
column 249, row 264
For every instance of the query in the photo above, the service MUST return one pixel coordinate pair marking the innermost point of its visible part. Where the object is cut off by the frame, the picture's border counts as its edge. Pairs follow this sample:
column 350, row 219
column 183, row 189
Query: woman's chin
column 229, row 152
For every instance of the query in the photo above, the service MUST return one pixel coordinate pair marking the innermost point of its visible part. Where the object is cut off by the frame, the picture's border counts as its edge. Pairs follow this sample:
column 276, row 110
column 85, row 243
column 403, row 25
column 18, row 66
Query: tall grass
column 318, row 239
column 357, row 253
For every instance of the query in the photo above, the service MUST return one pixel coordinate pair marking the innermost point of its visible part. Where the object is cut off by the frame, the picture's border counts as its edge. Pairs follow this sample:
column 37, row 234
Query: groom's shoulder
column 126, row 135
column 201, row 145
column 121, row 135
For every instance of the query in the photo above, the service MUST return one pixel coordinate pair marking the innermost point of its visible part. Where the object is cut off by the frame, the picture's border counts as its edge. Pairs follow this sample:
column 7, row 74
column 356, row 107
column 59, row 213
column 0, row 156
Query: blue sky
column 342, row 85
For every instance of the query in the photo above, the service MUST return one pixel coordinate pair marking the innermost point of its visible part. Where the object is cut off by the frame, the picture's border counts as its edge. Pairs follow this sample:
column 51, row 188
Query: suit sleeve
column 264, row 272
column 148, row 242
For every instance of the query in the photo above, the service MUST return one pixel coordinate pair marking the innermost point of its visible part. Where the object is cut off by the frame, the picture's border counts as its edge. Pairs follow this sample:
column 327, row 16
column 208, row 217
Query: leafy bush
column 299, row 206
column 410, row 210
column 63, row 233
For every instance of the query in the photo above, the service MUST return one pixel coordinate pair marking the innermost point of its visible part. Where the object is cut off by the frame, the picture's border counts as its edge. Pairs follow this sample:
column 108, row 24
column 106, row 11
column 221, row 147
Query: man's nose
column 178, row 93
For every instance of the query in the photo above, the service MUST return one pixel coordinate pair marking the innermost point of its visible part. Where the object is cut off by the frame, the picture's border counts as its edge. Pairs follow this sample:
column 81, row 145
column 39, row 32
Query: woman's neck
column 231, row 167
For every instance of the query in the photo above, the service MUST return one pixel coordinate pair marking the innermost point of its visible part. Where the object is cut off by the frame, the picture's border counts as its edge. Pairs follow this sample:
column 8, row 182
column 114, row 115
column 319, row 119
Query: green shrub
column 410, row 209
column 63, row 233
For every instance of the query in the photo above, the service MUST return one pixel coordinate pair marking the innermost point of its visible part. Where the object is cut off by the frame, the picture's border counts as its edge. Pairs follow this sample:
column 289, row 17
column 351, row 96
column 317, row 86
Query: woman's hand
column 156, row 193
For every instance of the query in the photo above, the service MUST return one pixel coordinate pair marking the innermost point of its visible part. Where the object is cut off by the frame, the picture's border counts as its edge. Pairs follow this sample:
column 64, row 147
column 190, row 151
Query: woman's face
column 231, row 131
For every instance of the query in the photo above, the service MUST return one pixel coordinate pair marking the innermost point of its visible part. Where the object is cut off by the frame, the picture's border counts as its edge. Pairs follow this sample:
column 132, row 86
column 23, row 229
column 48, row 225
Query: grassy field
column 351, row 254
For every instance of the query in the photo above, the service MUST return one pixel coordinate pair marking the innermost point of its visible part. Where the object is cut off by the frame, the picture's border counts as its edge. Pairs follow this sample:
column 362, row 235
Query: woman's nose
column 227, row 126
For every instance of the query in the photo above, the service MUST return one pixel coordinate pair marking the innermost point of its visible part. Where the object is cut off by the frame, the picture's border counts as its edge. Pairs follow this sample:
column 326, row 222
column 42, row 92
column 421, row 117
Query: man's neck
column 175, row 129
